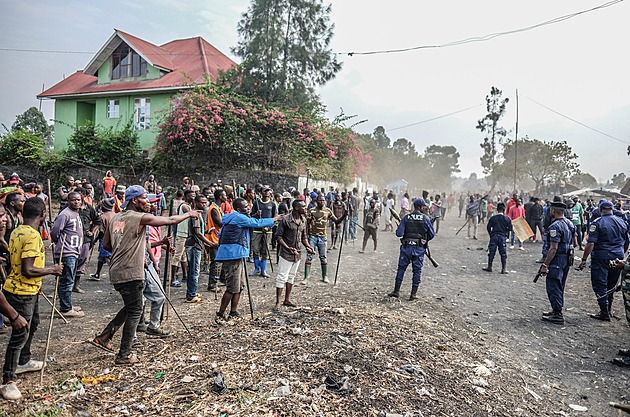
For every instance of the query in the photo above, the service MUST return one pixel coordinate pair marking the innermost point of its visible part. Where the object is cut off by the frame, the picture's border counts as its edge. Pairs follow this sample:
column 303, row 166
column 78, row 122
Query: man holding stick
column 21, row 291
column 233, row 248
column 291, row 233
column 125, row 238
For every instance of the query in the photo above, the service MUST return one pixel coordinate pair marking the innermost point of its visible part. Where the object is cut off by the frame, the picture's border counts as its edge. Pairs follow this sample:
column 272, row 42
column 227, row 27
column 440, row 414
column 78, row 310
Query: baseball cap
column 605, row 205
column 286, row 194
column 133, row 192
column 419, row 202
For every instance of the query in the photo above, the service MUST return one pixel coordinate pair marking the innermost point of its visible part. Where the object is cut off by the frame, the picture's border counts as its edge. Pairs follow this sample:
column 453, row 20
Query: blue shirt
column 238, row 223
column 499, row 224
column 562, row 232
column 609, row 234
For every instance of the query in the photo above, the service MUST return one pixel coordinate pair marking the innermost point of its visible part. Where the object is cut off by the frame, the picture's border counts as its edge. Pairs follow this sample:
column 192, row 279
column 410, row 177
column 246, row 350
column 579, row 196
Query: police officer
column 416, row 230
column 607, row 241
column 498, row 227
column 560, row 239
column 624, row 354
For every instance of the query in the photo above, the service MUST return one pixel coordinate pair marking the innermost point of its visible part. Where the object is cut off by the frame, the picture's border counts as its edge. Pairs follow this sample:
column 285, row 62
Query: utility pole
column 516, row 142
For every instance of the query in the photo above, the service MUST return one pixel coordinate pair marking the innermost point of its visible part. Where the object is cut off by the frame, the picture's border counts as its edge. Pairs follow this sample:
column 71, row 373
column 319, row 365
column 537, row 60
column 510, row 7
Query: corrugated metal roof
column 192, row 57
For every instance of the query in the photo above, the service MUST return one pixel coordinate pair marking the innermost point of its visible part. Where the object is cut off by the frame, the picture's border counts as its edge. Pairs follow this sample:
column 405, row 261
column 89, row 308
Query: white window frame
column 142, row 113
column 113, row 109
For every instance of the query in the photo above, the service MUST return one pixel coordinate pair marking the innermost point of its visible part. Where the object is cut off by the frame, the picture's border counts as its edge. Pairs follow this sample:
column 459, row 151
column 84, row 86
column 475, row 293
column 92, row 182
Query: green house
column 132, row 79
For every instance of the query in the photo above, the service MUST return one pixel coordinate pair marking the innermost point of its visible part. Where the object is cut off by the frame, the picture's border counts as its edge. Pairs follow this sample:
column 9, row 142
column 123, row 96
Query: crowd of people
column 219, row 229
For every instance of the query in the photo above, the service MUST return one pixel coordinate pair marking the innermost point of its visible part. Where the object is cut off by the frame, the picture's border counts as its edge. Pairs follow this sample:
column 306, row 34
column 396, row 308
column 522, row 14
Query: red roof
column 187, row 59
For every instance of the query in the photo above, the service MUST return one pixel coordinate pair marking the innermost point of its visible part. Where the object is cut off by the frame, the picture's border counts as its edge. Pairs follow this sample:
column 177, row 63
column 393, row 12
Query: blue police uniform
column 498, row 227
column 609, row 234
column 561, row 231
column 415, row 229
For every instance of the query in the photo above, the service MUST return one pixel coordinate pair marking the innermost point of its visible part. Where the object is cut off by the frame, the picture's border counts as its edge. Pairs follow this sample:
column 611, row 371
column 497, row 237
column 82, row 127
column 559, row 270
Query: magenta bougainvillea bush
column 209, row 128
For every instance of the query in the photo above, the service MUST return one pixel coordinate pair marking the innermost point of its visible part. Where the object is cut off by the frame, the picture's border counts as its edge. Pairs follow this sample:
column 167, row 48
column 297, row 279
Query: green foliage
column 95, row 144
column 21, row 147
column 34, row 121
column 442, row 162
column 542, row 162
column 583, row 180
column 210, row 128
column 618, row 180
column 489, row 125
column 284, row 45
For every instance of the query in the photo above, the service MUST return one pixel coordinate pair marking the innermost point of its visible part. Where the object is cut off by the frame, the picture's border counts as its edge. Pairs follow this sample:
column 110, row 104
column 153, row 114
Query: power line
column 486, row 37
column 578, row 122
column 435, row 118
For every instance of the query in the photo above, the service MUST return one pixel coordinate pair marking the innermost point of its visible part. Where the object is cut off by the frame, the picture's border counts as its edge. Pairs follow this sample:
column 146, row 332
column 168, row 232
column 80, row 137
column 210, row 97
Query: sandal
column 288, row 304
column 107, row 347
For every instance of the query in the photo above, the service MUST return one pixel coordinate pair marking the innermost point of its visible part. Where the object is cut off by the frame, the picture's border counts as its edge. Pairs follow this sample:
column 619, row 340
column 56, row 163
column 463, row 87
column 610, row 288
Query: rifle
column 428, row 254
column 539, row 273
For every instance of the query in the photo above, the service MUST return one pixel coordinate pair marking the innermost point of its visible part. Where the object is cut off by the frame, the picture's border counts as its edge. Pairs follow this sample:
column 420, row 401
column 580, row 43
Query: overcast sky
column 578, row 67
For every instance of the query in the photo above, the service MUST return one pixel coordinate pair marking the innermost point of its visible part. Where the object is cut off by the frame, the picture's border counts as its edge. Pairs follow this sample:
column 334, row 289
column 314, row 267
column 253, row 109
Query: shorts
column 180, row 251
column 233, row 272
column 286, row 272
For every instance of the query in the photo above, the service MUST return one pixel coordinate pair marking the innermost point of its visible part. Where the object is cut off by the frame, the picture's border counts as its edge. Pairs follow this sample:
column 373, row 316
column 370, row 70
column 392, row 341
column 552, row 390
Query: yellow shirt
column 25, row 242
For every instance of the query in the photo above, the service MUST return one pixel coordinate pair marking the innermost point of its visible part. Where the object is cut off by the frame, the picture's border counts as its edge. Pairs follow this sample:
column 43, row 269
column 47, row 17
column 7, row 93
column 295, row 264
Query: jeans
column 472, row 221
column 153, row 293
column 129, row 315
column 19, row 346
column 66, row 282
column 194, row 263
column 352, row 228
column 318, row 242
column 512, row 235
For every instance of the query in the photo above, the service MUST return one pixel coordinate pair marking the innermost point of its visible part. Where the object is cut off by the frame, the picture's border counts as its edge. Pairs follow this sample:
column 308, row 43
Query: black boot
column 413, row 296
column 555, row 317
column 602, row 315
column 396, row 292
column 488, row 268
column 503, row 269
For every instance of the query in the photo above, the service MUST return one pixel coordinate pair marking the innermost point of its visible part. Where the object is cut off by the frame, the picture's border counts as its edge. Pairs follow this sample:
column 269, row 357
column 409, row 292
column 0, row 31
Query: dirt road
column 473, row 344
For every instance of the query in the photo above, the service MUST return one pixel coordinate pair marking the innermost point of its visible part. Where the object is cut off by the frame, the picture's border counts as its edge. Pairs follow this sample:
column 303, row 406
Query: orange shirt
column 109, row 183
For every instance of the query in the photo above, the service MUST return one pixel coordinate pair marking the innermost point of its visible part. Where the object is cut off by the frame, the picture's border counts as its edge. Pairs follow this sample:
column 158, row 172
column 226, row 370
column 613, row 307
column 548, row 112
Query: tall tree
column 442, row 162
column 489, row 125
column 583, row 180
column 541, row 161
column 381, row 139
column 284, row 45
column 618, row 180
column 34, row 121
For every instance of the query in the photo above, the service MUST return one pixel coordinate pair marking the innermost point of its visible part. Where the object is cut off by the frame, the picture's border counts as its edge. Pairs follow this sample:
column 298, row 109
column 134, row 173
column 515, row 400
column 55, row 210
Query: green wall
column 104, row 73
column 73, row 111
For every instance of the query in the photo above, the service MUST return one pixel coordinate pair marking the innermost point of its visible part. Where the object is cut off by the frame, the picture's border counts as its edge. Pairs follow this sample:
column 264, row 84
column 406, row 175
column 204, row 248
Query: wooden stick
column 49, row 201
column 52, row 313
column 53, row 306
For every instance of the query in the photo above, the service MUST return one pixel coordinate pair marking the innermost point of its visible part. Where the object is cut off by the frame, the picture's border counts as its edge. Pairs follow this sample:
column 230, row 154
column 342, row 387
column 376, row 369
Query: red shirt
column 108, row 184
column 516, row 212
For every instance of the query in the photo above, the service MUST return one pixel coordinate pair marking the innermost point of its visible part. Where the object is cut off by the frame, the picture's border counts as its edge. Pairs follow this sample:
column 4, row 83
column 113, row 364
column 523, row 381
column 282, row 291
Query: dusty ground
column 476, row 340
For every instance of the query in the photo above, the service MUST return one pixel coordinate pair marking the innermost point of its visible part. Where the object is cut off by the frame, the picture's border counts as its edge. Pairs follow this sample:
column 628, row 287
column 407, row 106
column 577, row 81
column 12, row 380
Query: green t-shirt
column 577, row 211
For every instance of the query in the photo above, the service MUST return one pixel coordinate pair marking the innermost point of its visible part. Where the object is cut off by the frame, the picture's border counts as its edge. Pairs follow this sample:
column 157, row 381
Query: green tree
column 489, row 126
column 442, row 162
column 96, row 144
column 22, row 147
column 583, row 180
column 284, row 45
column 34, row 121
column 618, row 180
column 381, row 139
column 540, row 161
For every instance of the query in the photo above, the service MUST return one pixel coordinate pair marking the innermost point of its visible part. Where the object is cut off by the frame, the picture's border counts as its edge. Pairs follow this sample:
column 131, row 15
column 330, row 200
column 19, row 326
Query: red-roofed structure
column 132, row 78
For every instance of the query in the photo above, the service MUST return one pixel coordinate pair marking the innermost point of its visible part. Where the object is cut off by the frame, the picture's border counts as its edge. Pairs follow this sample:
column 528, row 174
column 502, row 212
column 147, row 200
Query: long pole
column 249, row 294
column 157, row 282
column 52, row 311
column 516, row 141
column 343, row 234
column 49, row 201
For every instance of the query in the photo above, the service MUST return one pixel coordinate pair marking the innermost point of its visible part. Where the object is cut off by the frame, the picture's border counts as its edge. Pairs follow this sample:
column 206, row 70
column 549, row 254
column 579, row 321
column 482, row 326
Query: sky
column 577, row 67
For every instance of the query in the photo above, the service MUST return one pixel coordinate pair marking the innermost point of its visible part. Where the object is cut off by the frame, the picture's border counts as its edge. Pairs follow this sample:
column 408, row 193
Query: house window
column 142, row 113
column 126, row 63
column 113, row 109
